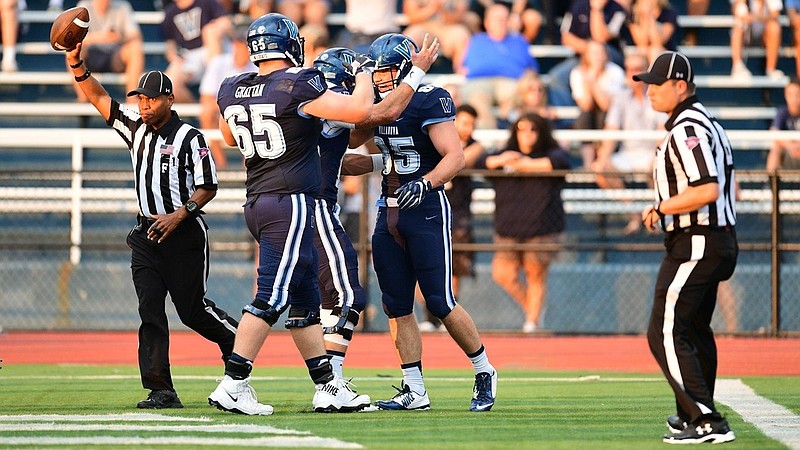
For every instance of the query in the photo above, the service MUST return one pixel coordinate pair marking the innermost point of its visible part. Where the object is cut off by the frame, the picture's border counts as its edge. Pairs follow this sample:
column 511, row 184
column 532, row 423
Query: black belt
column 144, row 221
column 704, row 228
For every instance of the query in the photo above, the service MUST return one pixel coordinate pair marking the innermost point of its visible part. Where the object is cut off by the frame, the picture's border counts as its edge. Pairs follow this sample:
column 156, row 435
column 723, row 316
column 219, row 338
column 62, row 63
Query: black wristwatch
column 192, row 208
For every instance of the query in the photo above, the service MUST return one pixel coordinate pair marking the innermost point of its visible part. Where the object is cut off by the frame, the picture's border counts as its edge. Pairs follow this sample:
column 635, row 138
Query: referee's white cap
column 667, row 66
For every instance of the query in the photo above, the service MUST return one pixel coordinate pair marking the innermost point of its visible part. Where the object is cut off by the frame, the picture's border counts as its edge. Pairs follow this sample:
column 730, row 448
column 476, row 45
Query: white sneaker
column 8, row 65
column 405, row 400
column 775, row 74
column 739, row 70
column 529, row 327
column 237, row 396
column 337, row 396
column 427, row 327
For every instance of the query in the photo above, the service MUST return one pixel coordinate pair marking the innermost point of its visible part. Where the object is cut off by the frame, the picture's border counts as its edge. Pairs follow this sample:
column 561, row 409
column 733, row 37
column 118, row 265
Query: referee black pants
column 178, row 266
column 679, row 333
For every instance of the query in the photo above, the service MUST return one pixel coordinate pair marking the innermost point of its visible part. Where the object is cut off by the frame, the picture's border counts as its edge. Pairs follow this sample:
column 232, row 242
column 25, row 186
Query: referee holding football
column 174, row 177
column 694, row 184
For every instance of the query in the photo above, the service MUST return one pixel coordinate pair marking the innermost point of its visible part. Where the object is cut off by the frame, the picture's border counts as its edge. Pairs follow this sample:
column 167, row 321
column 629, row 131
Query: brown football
column 69, row 28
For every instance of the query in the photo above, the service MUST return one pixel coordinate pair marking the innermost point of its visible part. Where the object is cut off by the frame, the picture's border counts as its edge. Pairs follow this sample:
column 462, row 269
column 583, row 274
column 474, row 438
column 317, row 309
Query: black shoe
column 713, row 430
column 160, row 399
column 675, row 424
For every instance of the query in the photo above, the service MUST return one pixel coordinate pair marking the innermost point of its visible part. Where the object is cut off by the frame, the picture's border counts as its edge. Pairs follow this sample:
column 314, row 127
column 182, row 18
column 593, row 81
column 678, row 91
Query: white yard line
column 298, row 441
column 127, row 417
column 770, row 418
column 585, row 378
column 254, row 429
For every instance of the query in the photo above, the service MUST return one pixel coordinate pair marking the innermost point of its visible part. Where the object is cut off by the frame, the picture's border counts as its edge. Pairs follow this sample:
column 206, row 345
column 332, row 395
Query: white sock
column 481, row 362
column 9, row 53
column 413, row 378
column 337, row 361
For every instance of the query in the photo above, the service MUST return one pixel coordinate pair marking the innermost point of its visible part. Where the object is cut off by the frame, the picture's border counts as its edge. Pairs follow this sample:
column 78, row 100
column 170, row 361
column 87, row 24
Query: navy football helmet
column 275, row 36
column 336, row 66
column 392, row 50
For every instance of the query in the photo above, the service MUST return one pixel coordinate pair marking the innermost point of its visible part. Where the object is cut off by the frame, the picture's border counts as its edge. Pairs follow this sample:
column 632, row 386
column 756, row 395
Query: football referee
column 174, row 177
column 694, row 205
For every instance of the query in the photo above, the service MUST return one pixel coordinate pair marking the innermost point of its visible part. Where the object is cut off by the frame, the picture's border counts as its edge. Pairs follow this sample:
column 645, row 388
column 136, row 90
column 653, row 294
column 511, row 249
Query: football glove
column 362, row 63
column 411, row 194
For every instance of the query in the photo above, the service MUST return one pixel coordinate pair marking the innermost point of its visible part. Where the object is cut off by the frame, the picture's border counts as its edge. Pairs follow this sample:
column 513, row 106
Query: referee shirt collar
column 682, row 106
column 173, row 123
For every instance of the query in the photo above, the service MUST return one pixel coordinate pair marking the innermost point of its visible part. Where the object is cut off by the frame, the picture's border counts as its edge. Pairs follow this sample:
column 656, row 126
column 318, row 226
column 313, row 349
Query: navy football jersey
column 333, row 144
column 279, row 142
column 407, row 149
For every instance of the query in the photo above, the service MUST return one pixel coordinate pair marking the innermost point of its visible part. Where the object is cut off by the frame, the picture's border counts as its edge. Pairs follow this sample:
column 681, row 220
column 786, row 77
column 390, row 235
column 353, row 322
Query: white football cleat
column 337, row 396
column 237, row 396
column 405, row 400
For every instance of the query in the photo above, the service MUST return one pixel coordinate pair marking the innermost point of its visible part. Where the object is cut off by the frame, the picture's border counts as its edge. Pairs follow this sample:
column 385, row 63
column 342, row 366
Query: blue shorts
column 287, row 264
column 411, row 246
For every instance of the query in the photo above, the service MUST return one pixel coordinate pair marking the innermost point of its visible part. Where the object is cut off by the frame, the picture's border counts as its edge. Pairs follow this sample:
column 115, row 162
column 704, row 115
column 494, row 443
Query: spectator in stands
column 594, row 83
column 629, row 110
column 757, row 21
column 442, row 19
column 221, row 67
column 9, row 23
column 366, row 21
column 531, row 97
column 587, row 20
column 786, row 154
column 305, row 12
column 695, row 8
column 248, row 10
column 494, row 62
column 653, row 27
column 532, row 149
column 525, row 16
column 195, row 32
column 317, row 40
column 793, row 12
column 113, row 43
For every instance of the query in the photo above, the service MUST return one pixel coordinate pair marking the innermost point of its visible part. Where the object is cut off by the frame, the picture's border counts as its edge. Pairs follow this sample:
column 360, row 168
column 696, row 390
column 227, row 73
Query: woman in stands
column 653, row 27
column 528, row 210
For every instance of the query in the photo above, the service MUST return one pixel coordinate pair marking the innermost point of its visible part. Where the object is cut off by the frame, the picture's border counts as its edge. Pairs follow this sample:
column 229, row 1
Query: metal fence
column 64, row 263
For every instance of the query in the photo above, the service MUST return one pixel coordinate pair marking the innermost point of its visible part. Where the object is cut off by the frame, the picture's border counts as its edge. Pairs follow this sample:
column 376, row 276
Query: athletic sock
column 238, row 367
column 412, row 376
column 320, row 369
column 337, row 361
column 480, row 361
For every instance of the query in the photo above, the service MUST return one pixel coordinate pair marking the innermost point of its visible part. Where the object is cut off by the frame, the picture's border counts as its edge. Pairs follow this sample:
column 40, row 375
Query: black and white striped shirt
column 168, row 163
column 696, row 151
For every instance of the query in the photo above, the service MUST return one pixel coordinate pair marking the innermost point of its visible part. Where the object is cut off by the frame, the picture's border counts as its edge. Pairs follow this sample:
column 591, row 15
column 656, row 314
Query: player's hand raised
column 428, row 53
column 411, row 194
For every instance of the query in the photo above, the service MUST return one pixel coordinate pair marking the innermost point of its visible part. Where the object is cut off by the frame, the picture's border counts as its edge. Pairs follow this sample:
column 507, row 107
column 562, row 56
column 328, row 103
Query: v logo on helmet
column 404, row 48
column 293, row 31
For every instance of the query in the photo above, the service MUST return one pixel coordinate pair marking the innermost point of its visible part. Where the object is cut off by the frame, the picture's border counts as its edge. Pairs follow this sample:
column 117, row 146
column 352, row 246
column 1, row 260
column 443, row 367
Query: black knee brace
column 301, row 318
column 269, row 315
column 345, row 316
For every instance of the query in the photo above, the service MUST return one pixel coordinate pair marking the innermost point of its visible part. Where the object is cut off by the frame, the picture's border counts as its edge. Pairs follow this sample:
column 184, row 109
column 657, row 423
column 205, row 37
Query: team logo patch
column 317, row 84
column 447, row 104
column 166, row 149
column 692, row 142
column 202, row 152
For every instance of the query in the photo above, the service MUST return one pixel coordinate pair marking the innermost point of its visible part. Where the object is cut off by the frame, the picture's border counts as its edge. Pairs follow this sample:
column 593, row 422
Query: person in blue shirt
column 494, row 62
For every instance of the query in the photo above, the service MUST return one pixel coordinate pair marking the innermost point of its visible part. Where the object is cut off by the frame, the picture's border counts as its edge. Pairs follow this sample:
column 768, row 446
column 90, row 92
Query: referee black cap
column 153, row 84
column 667, row 66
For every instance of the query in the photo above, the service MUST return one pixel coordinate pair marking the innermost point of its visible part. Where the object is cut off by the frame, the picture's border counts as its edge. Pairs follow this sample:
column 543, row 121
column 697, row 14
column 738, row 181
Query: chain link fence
column 64, row 264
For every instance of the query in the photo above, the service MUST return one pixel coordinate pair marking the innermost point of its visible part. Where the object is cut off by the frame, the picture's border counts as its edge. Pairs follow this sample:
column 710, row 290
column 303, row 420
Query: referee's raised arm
column 94, row 91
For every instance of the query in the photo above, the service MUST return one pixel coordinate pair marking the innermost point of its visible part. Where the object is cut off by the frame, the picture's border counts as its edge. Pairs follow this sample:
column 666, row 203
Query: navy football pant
column 411, row 246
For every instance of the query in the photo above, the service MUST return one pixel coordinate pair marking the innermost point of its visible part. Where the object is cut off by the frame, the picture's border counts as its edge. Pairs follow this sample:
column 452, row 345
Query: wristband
column 84, row 77
column 377, row 162
column 75, row 66
column 657, row 209
column 414, row 77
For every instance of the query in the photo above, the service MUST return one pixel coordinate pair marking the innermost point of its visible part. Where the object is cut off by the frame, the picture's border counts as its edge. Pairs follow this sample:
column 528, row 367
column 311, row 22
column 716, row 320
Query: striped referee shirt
column 168, row 163
column 696, row 151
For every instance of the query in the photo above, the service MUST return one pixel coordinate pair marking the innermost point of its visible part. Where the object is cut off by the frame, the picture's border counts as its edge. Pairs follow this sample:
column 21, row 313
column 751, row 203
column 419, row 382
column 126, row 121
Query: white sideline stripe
column 772, row 419
column 183, row 441
column 252, row 429
column 128, row 417
column 389, row 379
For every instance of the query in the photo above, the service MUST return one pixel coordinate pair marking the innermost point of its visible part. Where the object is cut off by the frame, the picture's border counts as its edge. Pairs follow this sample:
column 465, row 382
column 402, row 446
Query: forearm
column 448, row 167
column 692, row 199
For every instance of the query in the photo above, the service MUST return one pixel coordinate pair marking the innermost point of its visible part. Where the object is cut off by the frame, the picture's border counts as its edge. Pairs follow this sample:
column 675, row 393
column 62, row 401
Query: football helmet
column 275, row 36
column 336, row 66
column 392, row 50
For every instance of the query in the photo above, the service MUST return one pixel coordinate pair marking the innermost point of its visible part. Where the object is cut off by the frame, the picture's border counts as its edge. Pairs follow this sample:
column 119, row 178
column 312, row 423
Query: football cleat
column 675, row 424
column 406, row 399
column 160, row 399
column 484, row 392
column 237, row 396
column 337, row 396
column 713, row 430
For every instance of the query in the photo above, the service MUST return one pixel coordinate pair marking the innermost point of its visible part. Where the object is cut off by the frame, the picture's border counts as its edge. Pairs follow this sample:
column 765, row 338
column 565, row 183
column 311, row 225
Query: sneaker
column 8, row 65
column 337, row 396
column 427, row 327
column 484, row 392
column 775, row 74
column 529, row 327
column 714, row 430
column 675, row 424
column 237, row 396
column 739, row 70
column 160, row 399
column 406, row 399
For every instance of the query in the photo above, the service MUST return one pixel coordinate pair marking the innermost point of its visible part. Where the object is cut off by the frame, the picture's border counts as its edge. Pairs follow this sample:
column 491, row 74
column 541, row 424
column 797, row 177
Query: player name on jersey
column 388, row 129
column 249, row 91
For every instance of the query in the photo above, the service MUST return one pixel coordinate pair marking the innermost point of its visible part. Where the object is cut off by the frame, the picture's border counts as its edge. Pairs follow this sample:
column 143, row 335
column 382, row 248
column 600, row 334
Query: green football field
column 93, row 407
